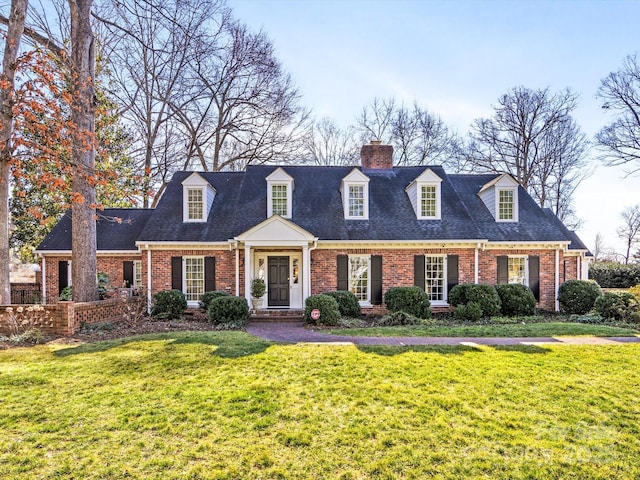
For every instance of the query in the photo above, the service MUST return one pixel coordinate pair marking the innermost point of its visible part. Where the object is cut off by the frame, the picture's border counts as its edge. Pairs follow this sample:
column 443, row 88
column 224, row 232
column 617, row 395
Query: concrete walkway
column 291, row 332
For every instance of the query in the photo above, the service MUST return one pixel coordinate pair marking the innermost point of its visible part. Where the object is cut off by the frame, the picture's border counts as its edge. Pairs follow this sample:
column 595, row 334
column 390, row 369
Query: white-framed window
column 506, row 205
column 193, row 280
column 517, row 268
column 359, row 277
column 429, row 207
column 356, row 200
column 137, row 274
column 279, row 200
column 195, row 204
column 435, row 278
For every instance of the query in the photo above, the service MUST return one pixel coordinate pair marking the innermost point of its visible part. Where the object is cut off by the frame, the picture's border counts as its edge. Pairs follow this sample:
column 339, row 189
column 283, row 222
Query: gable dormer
column 279, row 193
column 355, row 195
column 425, row 195
column 197, row 198
column 500, row 196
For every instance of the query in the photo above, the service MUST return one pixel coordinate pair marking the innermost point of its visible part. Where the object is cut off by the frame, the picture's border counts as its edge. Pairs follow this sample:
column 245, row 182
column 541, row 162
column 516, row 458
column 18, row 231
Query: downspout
column 476, row 261
column 148, row 279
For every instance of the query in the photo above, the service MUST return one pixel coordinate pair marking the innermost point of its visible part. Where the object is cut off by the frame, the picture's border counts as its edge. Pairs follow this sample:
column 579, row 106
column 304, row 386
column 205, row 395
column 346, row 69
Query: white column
column 44, row 279
column 148, row 279
column 247, row 273
column 557, row 280
column 475, row 268
column 237, row 270
column 306, row 273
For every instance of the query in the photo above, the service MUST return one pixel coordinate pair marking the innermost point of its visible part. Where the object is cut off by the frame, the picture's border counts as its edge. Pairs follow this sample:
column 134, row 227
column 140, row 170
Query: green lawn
column 226, row 405
column 541, row 329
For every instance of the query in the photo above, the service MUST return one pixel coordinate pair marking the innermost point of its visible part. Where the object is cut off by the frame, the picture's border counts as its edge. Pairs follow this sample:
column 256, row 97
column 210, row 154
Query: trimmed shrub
column 328, row 306
column 399, row 318
column 66, row 294
column 484, row 295
column 347, row 303
column 578, row 296
column 411, row 300
column 227, row 309
column 471, row 312
column 516, row 299
column 207, row 297
column 615, row 275
column 168, row 304
column 622, row 306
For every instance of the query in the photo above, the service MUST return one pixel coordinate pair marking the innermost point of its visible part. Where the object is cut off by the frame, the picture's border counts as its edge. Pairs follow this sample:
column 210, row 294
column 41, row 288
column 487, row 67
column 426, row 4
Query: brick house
column 307, row 229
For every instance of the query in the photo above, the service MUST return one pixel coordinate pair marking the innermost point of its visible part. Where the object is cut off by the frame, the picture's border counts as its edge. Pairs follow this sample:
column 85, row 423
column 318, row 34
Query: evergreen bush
column 471, row 312
column 207, row 298
column 399, row 318
column 621, row 306
column 615, row 275
column 411, row 300
column 228, row 309
column 484, row 295
column 578, row 296
column 516, row 299
column 168, row 304
column 328, row 307
column 347, row 303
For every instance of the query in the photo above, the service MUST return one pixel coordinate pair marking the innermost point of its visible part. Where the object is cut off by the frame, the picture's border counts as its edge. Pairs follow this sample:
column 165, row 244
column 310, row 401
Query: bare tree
column 242, row 107
column 83, row 112
column 620, row 93
column 327, row 144
column 418, row 136
column 16, row 25
column 630, row 229
column 151, row 45
column 533, row 137
column 599, row 247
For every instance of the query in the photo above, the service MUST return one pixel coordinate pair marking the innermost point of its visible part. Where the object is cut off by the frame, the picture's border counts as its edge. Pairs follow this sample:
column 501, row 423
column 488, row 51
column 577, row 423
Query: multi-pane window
column 359, row 277
column 505, row 205
column 137, row 273
column 356, row 200
column 428, row 205
column 517, row 270
column 195, row 204
column 193, row 278
column 279, row 200
column 434, row 278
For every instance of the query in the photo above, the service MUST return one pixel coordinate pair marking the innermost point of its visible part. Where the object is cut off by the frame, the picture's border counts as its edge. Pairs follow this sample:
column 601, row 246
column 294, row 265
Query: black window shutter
column 127, row 273
column 343, row 272
column 534, row 276
column 63, row 275
column 418, row 271
column 452, row 272
column 176, row 273
column 209, row 274
column 503, row 270
column 376, row 280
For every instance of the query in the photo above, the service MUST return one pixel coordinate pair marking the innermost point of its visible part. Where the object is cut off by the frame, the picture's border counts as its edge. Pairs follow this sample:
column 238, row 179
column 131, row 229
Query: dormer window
column 279, row 193
column 195, row 204
column 197, row 198
column 505, row 204
column 500, row 196
column 425, row 196
column 355, row 195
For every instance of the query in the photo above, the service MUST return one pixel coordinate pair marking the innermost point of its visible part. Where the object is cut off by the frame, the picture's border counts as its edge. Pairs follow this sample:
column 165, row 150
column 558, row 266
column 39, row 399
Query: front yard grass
column 225, row 405
column 522, row 329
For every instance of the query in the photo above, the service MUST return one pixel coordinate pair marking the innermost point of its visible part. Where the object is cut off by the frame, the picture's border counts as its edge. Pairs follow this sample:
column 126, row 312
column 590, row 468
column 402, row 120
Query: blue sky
column 456, row 58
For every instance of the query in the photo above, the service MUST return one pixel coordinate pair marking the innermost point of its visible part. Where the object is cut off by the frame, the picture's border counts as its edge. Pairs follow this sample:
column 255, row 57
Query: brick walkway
column 291, row 332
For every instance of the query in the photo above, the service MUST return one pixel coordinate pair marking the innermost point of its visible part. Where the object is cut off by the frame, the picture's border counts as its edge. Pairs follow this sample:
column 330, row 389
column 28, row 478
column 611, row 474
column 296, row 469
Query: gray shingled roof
column 112, row 235
column 241, row 203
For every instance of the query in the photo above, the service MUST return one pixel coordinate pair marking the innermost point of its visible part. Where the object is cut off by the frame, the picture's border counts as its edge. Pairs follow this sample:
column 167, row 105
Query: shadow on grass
column 537, row 349
column 391, row 350
column 229, row 344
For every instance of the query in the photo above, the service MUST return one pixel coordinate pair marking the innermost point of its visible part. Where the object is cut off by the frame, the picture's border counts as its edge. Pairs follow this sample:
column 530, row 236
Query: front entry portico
column 278, row 251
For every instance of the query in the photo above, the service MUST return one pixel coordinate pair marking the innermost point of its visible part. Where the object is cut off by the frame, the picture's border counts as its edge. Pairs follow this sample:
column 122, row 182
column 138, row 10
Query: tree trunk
column 11, row 47
column 83, row 233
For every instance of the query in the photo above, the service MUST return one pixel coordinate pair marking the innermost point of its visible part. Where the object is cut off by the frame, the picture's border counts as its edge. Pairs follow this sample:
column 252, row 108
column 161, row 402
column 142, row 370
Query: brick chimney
column 376, row 156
